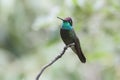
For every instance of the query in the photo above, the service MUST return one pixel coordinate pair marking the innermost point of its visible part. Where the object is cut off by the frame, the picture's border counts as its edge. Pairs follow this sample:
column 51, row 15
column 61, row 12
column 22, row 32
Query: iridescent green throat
column 66, row 25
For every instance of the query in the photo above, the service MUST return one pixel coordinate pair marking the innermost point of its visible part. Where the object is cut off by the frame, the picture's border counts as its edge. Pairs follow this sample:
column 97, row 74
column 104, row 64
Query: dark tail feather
column 79, row 51
column 81, row 57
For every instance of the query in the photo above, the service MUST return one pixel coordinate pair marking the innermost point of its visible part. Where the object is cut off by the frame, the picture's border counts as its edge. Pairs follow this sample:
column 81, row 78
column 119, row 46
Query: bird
column 69, row 36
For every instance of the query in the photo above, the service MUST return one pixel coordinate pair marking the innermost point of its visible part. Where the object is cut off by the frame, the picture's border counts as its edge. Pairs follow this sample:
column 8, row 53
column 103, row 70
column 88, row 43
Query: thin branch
column 56, row 58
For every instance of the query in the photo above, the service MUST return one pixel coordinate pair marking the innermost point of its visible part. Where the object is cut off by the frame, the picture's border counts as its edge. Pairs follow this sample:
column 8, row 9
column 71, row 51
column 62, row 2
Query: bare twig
column 56, row 58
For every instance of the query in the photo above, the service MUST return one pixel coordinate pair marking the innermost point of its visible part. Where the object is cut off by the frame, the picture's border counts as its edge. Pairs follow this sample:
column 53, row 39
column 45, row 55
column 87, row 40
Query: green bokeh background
column 30, row 38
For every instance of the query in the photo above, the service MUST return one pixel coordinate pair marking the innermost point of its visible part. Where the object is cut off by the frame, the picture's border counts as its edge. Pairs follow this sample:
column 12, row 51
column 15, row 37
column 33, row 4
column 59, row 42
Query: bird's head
column 68, row 19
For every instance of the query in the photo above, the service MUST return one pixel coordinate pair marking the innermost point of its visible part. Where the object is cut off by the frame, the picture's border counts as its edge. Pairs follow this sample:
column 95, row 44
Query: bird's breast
column 67, row 36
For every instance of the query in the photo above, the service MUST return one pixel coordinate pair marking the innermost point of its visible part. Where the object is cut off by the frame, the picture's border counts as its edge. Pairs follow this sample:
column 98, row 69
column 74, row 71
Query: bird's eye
column 70, row 21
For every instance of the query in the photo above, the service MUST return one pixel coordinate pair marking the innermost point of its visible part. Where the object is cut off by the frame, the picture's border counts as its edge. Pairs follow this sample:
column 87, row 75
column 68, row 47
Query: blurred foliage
column 30, row 38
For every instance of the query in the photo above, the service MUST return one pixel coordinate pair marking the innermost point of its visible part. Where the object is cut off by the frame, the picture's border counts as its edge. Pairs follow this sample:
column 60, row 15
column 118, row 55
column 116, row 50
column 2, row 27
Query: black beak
column 60, row 18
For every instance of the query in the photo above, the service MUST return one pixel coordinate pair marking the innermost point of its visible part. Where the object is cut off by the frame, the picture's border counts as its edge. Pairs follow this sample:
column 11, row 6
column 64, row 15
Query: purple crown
column 68, row 19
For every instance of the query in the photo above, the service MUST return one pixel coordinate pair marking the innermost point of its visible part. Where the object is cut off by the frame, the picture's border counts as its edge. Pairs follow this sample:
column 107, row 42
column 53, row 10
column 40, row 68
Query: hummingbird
column 68, row 36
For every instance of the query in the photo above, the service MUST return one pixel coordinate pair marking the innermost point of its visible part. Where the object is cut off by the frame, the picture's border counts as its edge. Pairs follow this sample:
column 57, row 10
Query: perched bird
column 68, row 36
